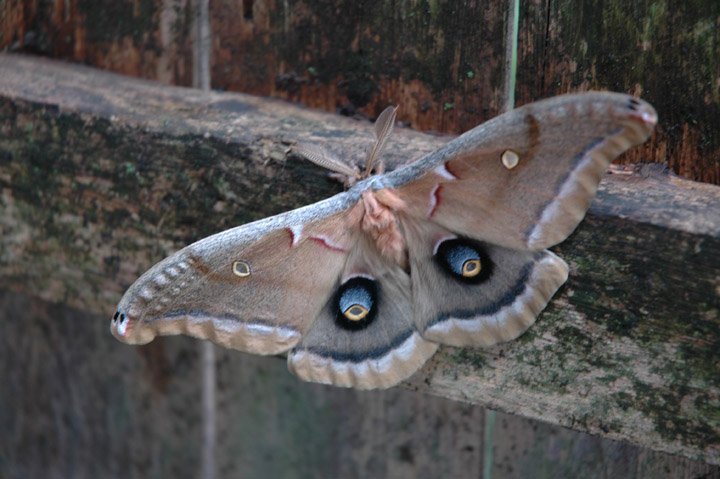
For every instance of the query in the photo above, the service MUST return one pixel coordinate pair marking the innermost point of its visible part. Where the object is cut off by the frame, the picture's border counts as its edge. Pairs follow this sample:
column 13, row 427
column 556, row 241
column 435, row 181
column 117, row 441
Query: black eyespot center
column 356, row 310
column 465, row 260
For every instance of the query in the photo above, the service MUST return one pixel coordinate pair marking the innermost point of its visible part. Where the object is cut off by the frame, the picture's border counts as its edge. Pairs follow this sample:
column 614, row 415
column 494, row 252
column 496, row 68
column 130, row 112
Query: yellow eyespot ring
column 356, row 312
column 241, row 268
column 471, row 268
column 510, row 159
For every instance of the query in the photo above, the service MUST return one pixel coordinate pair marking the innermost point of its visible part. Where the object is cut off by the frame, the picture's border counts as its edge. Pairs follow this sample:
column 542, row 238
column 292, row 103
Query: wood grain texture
column 102, row 176
column 663, row 52
column 442, row 62
column 76, row 403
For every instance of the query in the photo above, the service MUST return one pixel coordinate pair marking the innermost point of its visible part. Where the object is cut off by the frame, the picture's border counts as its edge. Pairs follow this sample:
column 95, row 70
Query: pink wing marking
column 295, row 234
column 328, row 243
column 443, row 172
column 434, row 200
column 122, row 328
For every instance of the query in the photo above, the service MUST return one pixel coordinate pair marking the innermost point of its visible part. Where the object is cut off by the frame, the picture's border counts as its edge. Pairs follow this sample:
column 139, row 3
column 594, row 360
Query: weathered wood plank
column 628, row 350
column 442, row 62
column 664, row 52
column 78, row 404
column 103, row 175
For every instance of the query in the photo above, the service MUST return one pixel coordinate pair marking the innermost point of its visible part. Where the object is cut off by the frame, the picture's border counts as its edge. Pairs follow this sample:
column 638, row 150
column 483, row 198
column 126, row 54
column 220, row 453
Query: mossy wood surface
column 104, row 175
column 78, row 404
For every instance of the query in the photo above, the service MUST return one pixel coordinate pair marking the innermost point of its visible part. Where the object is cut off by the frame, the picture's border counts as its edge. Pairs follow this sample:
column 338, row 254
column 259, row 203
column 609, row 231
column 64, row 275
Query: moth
column 361, row 288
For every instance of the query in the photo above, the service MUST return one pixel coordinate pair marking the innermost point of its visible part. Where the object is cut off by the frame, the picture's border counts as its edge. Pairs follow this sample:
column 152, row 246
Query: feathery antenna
column 383, row 127
column 322, row 157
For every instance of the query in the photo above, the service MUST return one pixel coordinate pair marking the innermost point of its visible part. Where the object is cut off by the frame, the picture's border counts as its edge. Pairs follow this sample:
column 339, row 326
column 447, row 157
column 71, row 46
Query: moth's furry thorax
column 379, row 221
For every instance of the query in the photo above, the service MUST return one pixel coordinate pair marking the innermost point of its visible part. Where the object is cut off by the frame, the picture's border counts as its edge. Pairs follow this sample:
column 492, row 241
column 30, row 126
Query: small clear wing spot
column 510, row 159
column 241, row 268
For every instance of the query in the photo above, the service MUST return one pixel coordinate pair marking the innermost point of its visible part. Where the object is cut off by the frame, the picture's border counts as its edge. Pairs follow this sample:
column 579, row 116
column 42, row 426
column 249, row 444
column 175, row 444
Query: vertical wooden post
column 201, row 79
column 511, row 48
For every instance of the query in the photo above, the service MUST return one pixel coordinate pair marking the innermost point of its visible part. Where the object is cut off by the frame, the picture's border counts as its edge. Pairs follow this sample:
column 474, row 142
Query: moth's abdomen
column 381, row 224
column 364, row 336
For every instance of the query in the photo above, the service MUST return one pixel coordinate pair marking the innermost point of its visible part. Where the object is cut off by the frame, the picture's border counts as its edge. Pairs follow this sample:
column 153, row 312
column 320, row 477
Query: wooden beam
column 104, row 175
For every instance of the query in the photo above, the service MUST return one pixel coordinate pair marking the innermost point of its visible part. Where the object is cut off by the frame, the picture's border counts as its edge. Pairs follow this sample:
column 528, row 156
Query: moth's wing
column 470, row 292
column 506, row 190
column 255, row 288
column 526, row 178
column 376, row 346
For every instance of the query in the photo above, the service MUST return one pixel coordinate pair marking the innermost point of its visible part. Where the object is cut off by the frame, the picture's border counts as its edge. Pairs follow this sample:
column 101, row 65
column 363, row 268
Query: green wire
column 513, row 57
column 488, row 443
column 514, row 52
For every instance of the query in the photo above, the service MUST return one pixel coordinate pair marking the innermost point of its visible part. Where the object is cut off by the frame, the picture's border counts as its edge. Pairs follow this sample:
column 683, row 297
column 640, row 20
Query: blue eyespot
column 356, row 303
column 464, row 259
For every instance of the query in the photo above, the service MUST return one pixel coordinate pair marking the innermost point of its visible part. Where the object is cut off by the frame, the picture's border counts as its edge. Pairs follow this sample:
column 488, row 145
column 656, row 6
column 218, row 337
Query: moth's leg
column 347, row 181
column 380, row 167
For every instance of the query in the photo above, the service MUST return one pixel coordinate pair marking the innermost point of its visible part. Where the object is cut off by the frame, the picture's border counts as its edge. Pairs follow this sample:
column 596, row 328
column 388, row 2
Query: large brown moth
column 359, row 289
